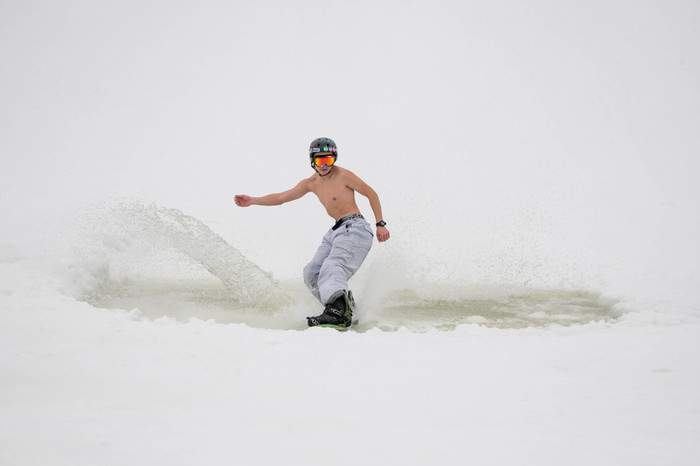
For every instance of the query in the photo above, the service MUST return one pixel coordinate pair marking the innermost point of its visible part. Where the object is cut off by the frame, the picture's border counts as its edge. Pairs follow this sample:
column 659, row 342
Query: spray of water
column 165, row 263
column 147, row 243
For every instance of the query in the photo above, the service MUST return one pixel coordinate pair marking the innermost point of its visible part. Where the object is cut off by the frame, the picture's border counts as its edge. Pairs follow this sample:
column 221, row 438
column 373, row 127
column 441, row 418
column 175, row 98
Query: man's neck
column 328, row 175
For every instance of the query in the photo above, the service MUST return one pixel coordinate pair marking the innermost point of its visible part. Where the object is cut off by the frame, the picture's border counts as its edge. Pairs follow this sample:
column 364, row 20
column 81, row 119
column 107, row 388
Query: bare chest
column 332, row 190
column 335, row 196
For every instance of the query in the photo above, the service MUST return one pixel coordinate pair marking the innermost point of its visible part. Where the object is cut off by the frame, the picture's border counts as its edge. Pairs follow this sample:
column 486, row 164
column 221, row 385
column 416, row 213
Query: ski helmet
column 322, row 145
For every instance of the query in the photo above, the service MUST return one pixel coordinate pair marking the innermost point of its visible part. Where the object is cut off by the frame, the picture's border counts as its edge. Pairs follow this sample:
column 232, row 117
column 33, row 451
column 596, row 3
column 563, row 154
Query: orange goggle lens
column 328, row 160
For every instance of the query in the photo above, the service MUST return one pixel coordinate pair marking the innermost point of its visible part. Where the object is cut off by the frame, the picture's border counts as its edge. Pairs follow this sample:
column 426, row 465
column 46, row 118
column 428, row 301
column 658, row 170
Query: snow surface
column 537, row 164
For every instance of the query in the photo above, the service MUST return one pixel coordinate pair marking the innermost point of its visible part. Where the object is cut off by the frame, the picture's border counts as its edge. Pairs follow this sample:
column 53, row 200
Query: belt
column 345, row 219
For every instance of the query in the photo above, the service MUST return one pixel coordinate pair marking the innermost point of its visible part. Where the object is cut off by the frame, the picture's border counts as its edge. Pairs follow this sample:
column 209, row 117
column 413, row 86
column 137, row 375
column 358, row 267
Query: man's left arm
column 355, row 183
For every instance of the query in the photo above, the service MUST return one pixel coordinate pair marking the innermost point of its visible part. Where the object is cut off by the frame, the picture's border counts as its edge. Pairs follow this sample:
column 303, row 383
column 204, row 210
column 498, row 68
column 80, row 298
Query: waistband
column 345, row 219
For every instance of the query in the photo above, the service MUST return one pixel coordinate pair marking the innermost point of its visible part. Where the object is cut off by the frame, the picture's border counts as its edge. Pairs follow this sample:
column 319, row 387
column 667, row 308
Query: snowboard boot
column 337, row 314
column 351, row 304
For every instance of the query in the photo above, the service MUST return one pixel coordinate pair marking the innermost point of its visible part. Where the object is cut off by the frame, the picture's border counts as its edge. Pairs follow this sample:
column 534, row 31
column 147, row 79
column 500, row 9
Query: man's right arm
column 243, row 200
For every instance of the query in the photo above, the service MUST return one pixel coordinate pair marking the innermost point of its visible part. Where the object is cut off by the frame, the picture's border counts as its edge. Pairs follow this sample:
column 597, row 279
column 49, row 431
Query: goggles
column 324, row 160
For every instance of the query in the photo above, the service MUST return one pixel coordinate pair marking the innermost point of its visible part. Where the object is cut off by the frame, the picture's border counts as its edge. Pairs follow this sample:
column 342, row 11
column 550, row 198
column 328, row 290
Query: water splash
column 125, row 234
column 142, row 257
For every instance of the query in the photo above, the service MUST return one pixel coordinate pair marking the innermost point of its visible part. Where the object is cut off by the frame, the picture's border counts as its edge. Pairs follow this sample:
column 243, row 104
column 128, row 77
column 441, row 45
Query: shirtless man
column 346, row 245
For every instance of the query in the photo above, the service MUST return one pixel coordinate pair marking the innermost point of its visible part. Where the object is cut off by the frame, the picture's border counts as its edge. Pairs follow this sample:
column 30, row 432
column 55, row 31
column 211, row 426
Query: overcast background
column 484, row 128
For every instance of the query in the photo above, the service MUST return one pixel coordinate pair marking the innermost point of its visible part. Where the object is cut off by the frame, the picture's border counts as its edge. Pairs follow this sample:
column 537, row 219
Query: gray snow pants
column 341, row 253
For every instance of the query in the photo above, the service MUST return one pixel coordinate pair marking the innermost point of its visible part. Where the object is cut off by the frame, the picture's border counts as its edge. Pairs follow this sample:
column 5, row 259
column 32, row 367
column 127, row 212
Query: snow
column 537, row 164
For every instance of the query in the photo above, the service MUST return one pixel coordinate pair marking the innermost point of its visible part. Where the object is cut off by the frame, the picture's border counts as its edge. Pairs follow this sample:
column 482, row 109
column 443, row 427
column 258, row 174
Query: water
column 209, row 299
column 159, row 262
column 182, row 300
column 128, row 242
column 502, row 308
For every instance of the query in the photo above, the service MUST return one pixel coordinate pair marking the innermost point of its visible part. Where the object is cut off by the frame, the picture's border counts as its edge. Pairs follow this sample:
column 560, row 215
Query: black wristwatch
column 381, row 223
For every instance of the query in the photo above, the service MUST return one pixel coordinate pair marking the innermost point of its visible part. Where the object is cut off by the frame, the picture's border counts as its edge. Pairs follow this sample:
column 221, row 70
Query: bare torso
column 334, row 193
